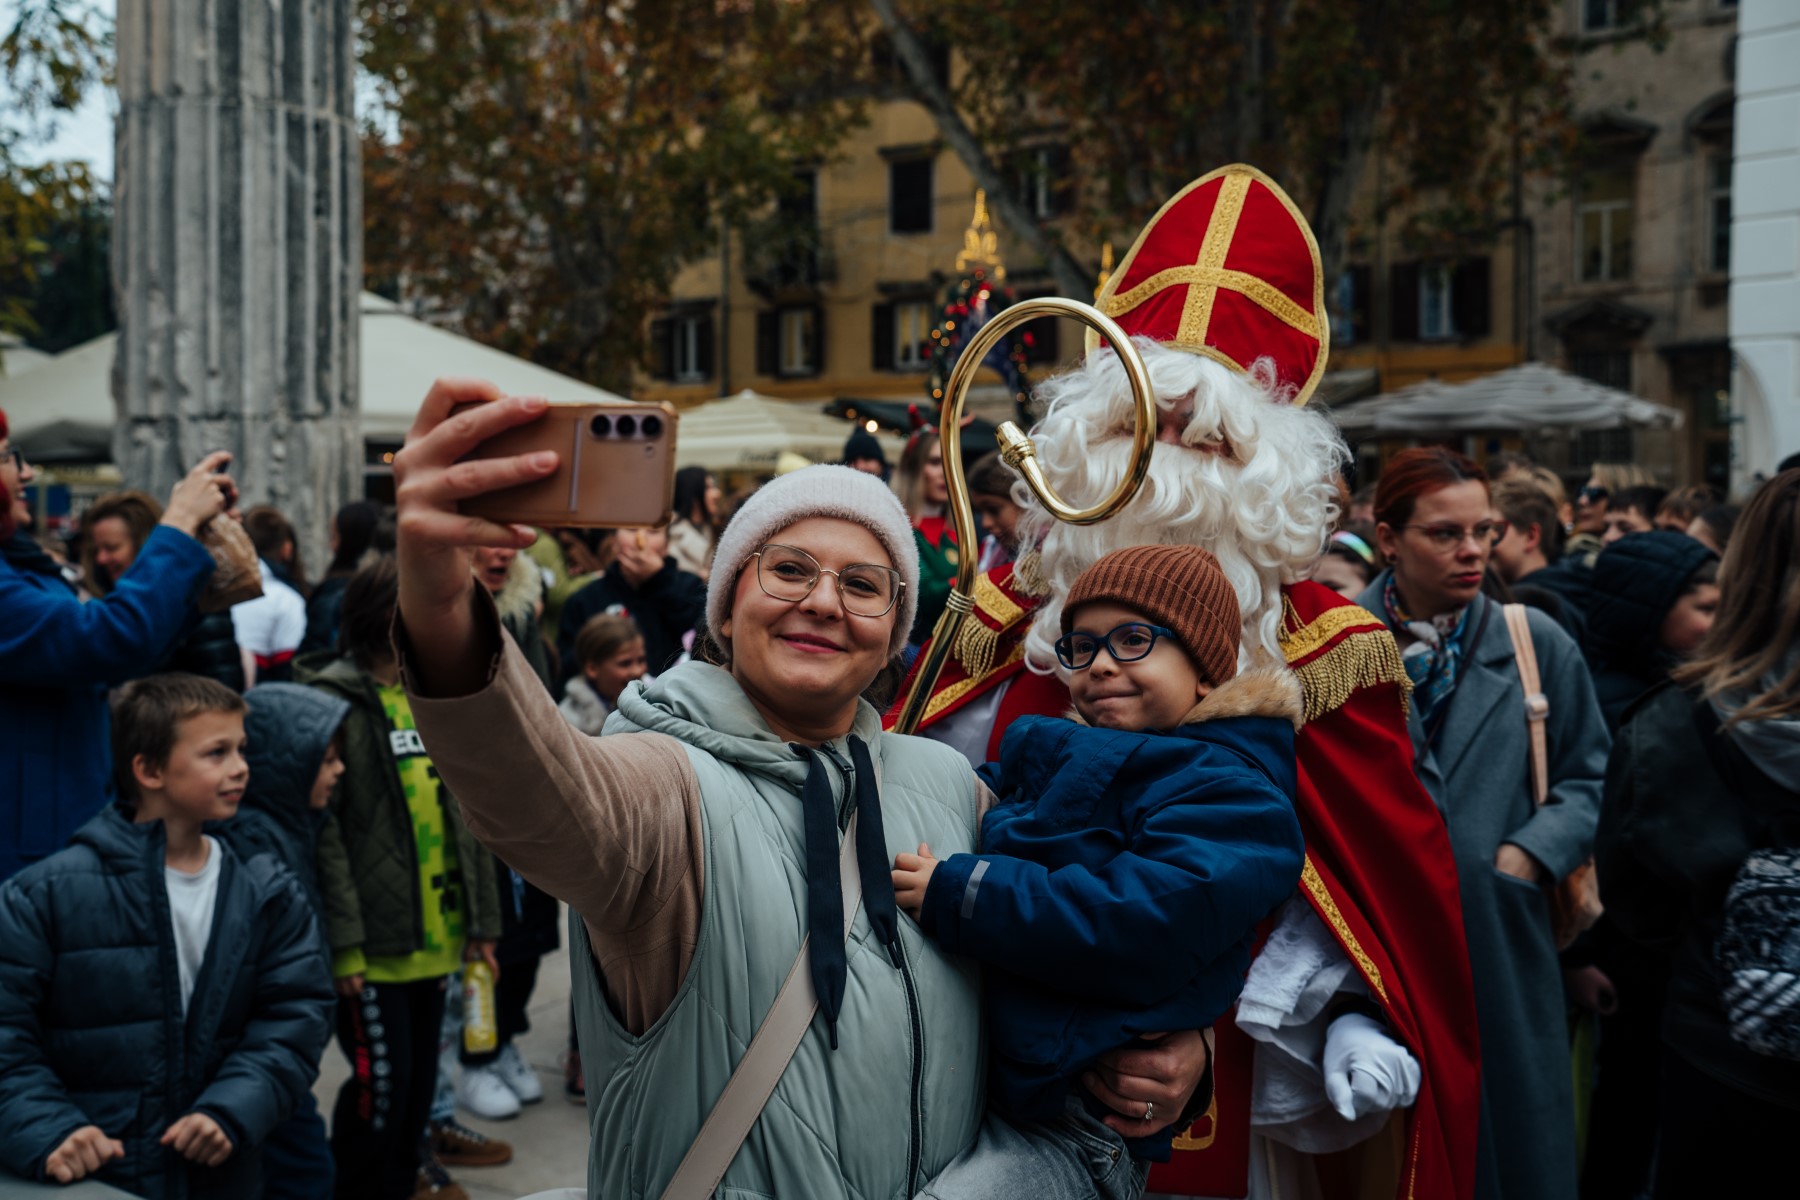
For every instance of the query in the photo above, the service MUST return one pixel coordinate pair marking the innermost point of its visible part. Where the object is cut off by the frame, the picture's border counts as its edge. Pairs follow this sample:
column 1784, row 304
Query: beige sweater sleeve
column 609, row 825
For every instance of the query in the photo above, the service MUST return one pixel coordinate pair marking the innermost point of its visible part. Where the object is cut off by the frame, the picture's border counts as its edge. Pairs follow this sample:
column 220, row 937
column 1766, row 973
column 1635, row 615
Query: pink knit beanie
column 823, row 491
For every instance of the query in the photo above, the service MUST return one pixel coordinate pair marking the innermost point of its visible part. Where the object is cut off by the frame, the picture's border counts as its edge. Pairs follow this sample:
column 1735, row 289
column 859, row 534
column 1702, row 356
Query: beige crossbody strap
column 1537, row 705
column 761, row 1068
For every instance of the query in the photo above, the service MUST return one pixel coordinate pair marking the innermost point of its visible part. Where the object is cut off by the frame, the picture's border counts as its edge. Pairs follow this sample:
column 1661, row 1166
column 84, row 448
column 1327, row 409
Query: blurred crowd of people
column 183, row 783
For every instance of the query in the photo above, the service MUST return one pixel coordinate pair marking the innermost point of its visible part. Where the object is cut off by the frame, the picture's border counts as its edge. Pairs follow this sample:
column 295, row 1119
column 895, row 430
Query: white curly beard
column 1264, row 512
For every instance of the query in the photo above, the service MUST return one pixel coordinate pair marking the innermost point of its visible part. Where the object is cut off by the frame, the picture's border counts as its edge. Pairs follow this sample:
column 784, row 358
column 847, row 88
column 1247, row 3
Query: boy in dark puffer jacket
column 163, row 1000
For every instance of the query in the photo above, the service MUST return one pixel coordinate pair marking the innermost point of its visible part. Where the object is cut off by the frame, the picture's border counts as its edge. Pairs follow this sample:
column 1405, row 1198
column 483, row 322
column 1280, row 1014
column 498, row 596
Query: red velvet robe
column 1379, row 873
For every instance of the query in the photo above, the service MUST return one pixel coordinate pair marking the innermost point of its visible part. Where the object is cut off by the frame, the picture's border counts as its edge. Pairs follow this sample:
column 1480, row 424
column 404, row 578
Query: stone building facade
column 1633, row 254
column 1619, row 272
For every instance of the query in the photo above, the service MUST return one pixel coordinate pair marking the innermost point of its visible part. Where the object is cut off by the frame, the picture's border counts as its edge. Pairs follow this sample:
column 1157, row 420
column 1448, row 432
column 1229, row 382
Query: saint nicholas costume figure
column 1351, row 1066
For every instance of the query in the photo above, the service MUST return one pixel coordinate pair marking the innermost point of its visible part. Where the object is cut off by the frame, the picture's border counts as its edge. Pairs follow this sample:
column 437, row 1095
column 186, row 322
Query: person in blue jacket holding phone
column 58, row 656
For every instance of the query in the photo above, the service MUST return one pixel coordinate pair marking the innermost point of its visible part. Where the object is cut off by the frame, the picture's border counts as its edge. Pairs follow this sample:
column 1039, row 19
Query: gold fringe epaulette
column 978, row 640
column 1342, row 651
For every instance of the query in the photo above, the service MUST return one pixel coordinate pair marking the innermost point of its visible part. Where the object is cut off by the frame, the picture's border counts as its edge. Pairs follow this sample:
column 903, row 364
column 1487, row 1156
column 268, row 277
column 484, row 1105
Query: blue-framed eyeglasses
column 1126, row 643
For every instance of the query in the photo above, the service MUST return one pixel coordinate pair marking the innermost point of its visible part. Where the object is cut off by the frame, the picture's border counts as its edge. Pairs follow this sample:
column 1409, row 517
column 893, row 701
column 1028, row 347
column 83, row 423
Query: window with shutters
column 1718, row 205
column 1436, row 301
column 1436, row 321
column 1351, row 306
column 1601, row 16
column 1041, row 180
column 912, row 335
column 909, row 195
column 1609, row 367
column 1603, row 225
column 797, row 344
column 690, row 348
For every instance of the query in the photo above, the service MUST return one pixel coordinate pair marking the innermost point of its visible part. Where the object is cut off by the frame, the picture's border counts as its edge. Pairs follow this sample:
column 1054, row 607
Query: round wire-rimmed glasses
column 864, row 589
column 1126, row 643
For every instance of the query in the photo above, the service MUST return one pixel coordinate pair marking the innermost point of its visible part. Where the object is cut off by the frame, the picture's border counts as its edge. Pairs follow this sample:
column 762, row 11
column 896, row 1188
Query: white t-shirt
column 271, row 626
column 191, row 911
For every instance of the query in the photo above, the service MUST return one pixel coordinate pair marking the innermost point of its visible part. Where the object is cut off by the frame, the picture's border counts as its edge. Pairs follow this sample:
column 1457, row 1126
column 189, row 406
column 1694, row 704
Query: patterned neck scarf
column 1433, row 658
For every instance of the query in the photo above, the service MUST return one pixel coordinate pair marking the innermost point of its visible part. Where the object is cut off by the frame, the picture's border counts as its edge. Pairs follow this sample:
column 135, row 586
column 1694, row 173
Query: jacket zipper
column 916, row 1134
column 914, row 1021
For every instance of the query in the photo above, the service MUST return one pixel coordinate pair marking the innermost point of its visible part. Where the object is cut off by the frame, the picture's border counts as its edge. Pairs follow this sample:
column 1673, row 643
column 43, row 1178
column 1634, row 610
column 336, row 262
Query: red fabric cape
column 1380, row 874
column 1382, row 878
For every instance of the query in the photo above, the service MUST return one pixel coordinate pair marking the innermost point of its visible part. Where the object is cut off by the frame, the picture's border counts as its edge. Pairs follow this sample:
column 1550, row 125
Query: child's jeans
column 1070, row 1157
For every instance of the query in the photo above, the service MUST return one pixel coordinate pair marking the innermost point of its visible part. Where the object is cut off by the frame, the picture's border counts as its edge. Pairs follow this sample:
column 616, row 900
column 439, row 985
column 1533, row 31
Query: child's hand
column 483, row 950
column 81, row 1154
column 912, row 875
column 198, row 1138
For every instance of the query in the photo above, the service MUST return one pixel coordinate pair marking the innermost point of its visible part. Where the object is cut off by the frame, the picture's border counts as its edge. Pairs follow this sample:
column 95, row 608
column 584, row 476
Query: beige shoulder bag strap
column 761, row 1068
column 1537, row 705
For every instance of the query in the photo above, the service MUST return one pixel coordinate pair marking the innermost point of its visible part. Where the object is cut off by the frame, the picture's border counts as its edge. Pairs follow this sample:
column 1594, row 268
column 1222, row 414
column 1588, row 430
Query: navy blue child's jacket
column 1120, row 882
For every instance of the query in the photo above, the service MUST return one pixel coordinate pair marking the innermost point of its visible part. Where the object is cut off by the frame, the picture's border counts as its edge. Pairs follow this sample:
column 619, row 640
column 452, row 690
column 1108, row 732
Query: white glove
column 1366, row 1071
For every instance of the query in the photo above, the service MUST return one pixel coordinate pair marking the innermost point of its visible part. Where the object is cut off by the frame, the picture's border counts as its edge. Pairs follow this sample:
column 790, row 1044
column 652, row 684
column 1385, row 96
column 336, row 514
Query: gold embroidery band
column 1320, row 632
column 946, row 697
column 995, row 603
column 1221, row 227
column 1321, row 898
column 1359, row 653
column 1259, row 290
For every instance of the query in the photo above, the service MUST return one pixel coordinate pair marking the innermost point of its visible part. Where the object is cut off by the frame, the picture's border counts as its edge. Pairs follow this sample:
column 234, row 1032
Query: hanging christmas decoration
column 968, row 303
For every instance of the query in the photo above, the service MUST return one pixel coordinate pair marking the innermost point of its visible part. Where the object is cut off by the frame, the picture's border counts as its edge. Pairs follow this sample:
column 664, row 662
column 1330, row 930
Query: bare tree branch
column 1072, row 279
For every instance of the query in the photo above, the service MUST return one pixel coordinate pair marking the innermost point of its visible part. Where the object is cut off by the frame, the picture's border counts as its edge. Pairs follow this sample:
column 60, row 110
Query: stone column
column 1765, row 241
column 237, row 251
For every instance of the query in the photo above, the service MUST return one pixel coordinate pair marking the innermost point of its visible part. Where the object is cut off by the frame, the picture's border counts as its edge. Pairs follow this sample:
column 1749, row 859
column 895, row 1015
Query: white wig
column 1254, row 482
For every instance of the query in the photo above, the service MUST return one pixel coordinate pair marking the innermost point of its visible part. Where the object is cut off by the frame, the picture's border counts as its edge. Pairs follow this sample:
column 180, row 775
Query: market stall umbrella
column 1358, row 418
column 62, row 411
column 401, row 355
column 750, row 431
column 1534, row 397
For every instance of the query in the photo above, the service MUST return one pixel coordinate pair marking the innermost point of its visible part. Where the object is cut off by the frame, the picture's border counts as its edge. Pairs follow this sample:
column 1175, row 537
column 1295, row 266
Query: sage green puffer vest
column 903, row 1093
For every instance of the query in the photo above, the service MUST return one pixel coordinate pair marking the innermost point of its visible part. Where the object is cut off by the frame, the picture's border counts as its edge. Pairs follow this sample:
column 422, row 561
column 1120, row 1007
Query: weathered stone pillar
column 237, row 251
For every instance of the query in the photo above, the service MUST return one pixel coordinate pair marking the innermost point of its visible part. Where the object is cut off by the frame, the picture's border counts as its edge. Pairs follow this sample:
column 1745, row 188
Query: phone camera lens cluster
column 625, row 426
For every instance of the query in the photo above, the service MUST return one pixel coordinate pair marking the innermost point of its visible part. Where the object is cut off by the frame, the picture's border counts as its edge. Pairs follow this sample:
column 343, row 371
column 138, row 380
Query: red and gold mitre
column 1228, row 268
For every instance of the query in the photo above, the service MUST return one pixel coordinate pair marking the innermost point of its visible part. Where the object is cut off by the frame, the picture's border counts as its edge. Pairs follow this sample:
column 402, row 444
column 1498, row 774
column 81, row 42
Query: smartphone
column 616, row 468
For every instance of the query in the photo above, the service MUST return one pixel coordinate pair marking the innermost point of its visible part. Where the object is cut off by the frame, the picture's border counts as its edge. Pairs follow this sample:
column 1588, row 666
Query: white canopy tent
column 63, row 408
column 401, row 355
column 749, row 432
column 1531, row 398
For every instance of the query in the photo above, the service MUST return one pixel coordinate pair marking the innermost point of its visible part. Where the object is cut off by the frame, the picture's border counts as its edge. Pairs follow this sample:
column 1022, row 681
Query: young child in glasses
column 1131, row 853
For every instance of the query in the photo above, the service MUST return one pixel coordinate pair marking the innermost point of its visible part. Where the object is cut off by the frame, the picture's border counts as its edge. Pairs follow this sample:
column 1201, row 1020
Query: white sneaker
column 517, row 1074
column 483, row 1092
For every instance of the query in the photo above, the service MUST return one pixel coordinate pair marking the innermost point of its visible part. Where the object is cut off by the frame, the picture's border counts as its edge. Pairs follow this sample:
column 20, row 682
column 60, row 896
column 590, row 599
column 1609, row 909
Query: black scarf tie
column 824, row 888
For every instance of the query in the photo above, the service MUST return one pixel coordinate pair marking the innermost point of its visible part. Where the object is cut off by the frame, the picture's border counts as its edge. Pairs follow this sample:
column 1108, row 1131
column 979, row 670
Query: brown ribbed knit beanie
column 1181, row 587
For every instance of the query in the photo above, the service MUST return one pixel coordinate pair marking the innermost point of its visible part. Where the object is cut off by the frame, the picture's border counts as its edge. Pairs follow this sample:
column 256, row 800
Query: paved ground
column 549, row 1139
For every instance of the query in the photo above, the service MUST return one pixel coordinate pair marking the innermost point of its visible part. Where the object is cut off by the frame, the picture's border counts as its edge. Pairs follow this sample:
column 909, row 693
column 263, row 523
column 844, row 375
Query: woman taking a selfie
column 699, row 842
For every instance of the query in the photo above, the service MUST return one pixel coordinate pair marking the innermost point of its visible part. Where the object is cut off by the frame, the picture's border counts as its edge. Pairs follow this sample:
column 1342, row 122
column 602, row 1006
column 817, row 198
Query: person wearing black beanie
column 1653, row 599
column 863, row 452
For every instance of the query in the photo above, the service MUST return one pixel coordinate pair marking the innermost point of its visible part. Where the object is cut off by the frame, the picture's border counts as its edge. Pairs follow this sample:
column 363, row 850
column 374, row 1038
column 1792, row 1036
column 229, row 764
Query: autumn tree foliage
column 51, row 52
column 1461, row 97
column 539, row 171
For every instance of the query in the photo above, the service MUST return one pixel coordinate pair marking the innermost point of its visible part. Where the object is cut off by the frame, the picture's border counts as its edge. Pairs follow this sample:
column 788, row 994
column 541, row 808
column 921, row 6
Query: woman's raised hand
column 201, row 495
column 434, row 539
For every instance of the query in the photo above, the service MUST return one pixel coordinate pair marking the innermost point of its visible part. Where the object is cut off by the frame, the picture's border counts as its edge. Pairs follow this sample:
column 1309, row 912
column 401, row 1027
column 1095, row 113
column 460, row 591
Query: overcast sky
column 85, row 134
